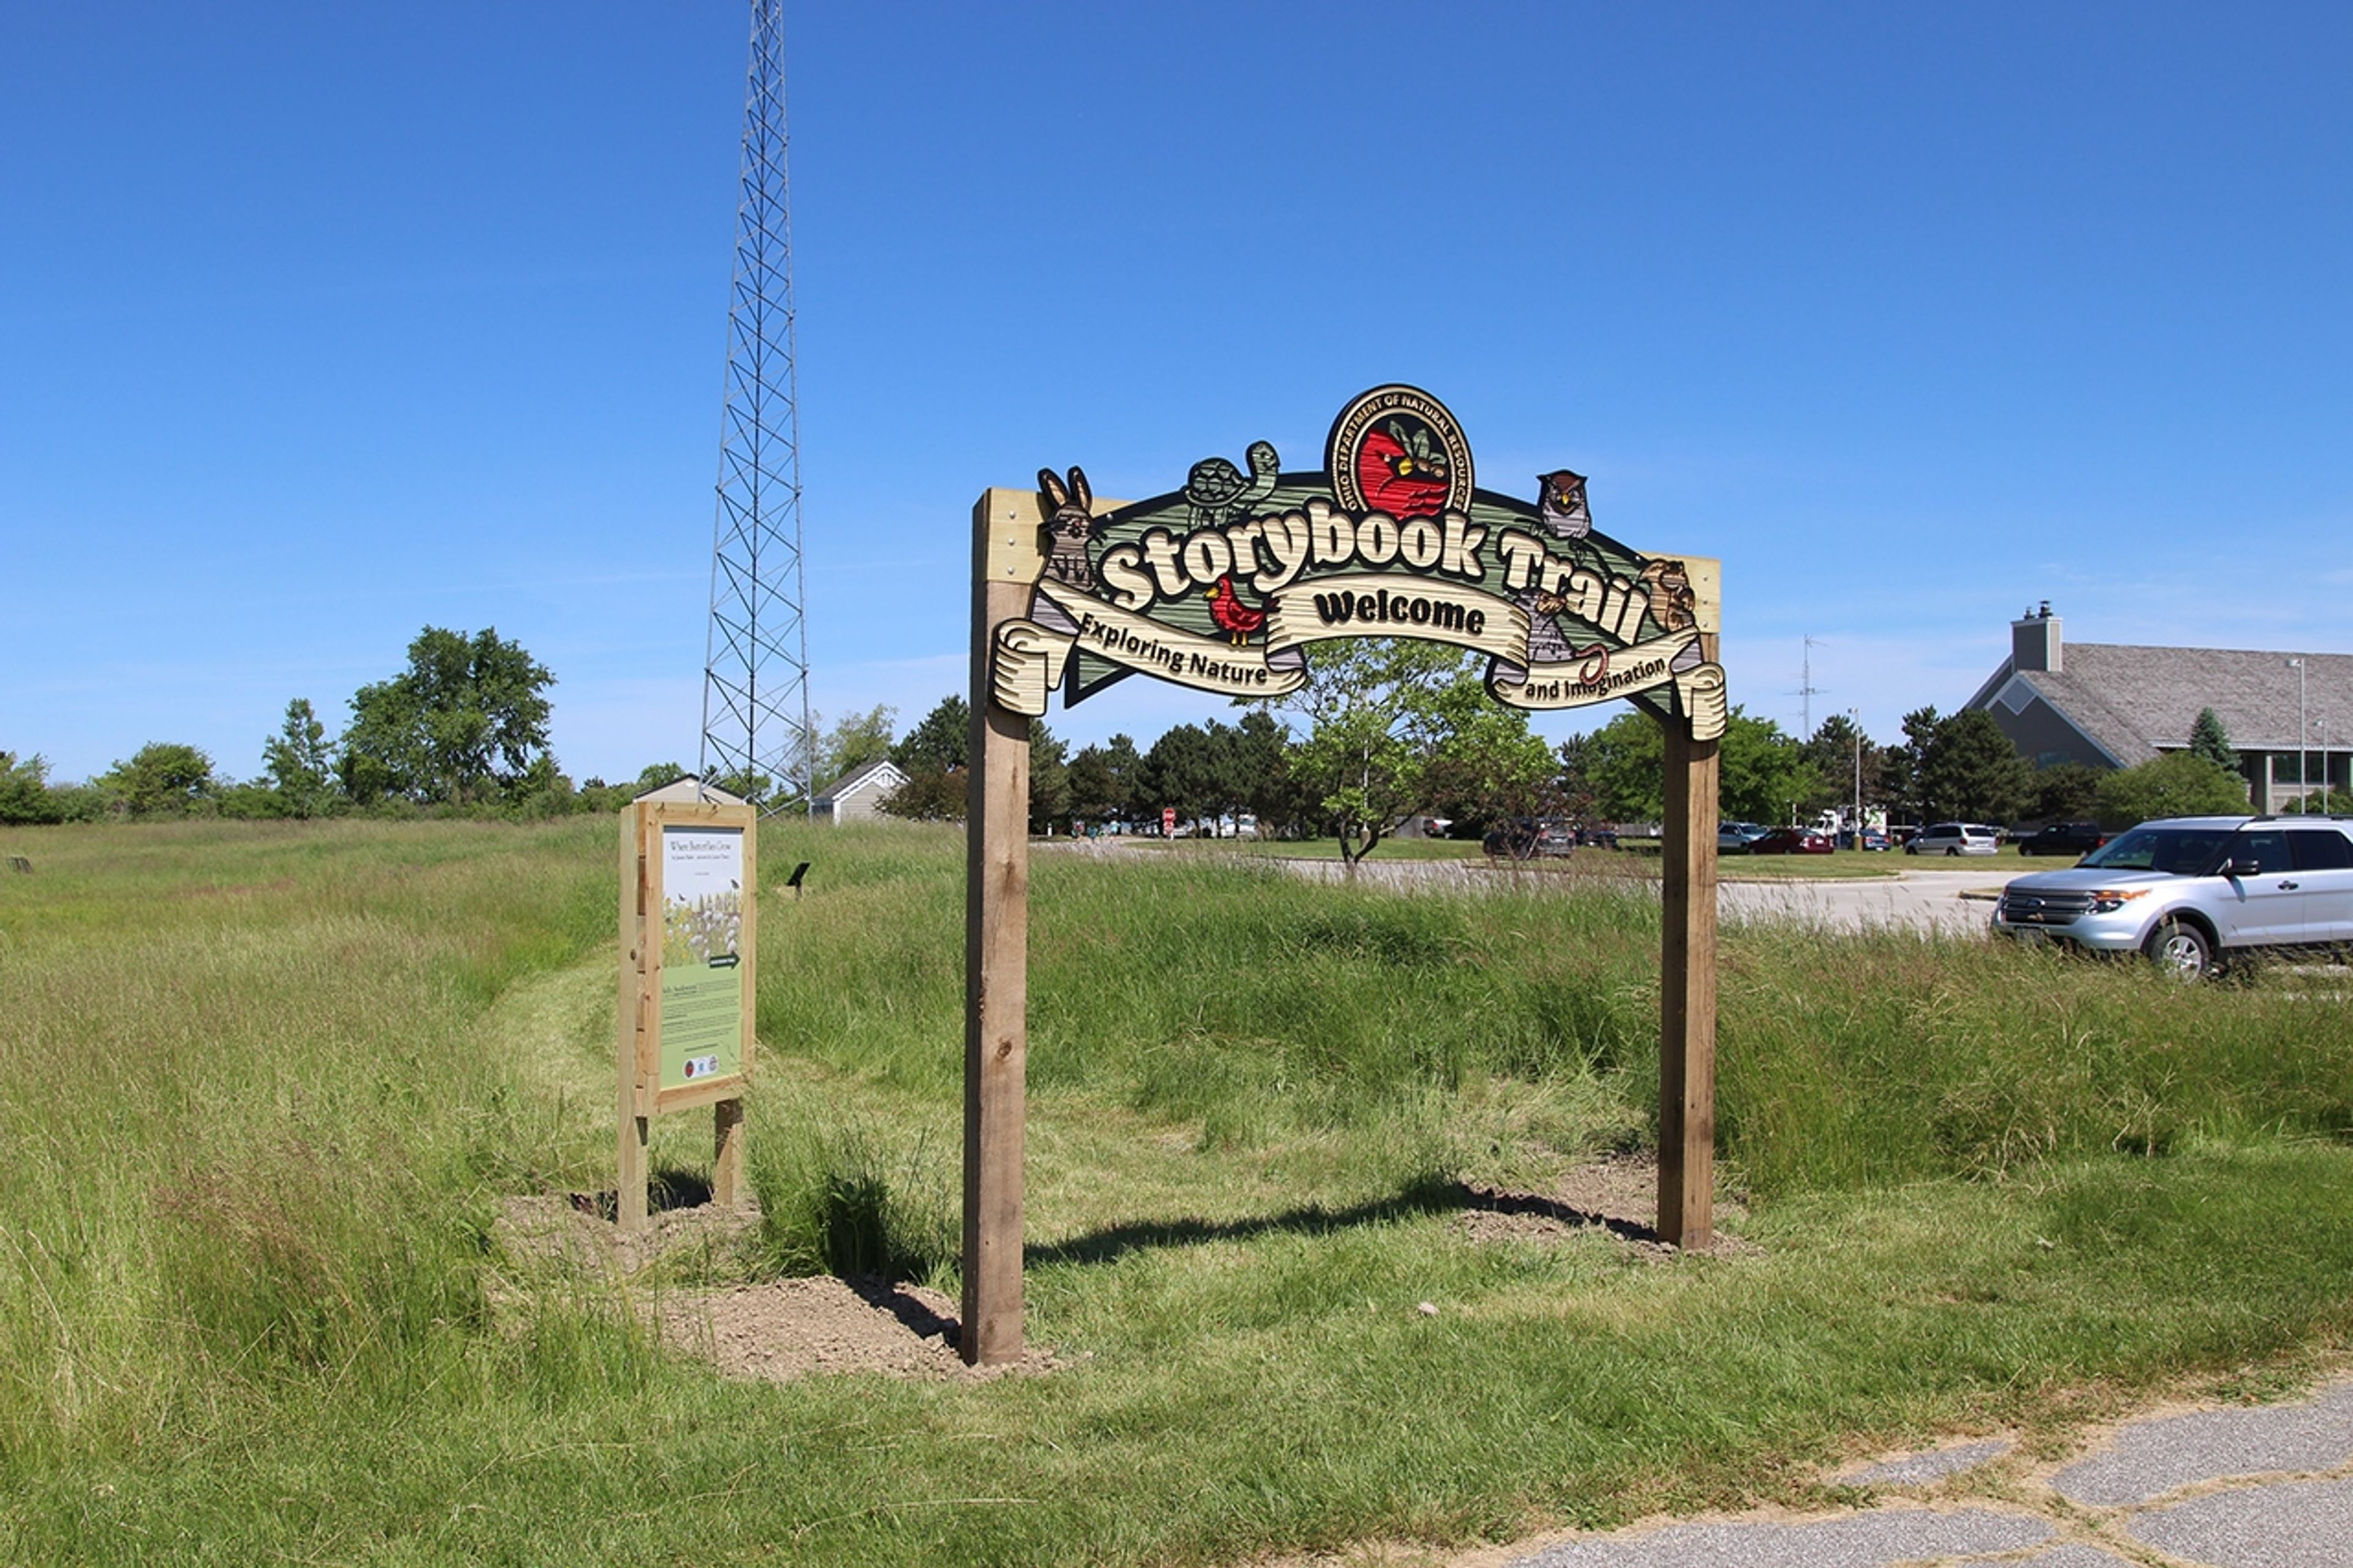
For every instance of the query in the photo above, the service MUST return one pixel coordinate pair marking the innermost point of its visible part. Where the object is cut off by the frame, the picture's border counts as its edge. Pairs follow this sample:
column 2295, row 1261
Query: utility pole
column 1854, row 718
column 2303, row 745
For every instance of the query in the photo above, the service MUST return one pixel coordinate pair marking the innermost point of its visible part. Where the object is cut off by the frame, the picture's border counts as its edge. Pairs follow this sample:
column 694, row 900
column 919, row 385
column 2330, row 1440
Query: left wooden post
column 632, row 1048
column 1007, row 555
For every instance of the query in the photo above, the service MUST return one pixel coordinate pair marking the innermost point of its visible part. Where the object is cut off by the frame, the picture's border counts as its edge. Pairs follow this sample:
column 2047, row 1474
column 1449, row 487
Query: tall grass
column 263, row 1084
column 1231, row 999
column 246, row 1112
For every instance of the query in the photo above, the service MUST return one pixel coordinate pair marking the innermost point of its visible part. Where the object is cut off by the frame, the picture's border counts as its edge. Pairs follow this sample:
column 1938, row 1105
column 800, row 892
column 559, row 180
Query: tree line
column 1387, row 732
column 460, row 729
column 1383, row 731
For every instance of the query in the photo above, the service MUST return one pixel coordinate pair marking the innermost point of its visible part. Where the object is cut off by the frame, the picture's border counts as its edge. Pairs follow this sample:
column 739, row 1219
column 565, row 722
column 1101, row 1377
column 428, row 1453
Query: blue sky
column 319, row 323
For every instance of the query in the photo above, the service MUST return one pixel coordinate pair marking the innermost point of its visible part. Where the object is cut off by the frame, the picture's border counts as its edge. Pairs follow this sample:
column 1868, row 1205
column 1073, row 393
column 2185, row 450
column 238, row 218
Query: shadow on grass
column 665, row 1190
column 1423, row 1197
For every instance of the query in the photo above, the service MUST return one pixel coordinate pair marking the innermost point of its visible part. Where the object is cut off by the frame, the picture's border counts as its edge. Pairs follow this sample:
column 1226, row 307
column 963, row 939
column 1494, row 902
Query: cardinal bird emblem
column 1235, row 619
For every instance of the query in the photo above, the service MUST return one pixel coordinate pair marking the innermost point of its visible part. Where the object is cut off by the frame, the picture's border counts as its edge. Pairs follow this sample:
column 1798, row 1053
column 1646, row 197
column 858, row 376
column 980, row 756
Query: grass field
column 263, row 1086
column 1640, row 857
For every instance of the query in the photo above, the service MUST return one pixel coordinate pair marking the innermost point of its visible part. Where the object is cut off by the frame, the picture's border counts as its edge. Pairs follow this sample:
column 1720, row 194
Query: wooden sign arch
column 1225, row 586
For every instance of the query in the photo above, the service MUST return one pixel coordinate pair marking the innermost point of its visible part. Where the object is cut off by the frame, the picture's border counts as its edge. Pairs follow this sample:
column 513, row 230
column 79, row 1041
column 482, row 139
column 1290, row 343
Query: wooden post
column 635, row 1112
column 1687, row 994
column 1007, row 556
column 727, row 1154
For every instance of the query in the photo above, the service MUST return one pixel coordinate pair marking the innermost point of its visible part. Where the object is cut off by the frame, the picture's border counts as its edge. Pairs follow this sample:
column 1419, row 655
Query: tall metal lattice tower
column 755, row 697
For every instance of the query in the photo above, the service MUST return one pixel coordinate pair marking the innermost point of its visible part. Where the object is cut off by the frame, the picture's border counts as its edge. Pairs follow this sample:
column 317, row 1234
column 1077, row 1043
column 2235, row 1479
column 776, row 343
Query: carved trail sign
column 1226, row 585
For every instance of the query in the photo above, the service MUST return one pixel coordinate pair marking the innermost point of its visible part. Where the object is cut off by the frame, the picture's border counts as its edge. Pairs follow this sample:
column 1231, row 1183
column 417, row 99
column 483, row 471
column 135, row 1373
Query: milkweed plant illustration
column 711, row 926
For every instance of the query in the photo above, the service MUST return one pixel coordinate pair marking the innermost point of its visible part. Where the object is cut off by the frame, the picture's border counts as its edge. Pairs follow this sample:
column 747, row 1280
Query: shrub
column 2179, row 784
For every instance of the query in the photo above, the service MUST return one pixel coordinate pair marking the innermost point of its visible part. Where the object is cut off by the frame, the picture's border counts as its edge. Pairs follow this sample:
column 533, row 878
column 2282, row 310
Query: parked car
column 2064, row 838
column 1954, row 838
column 2190, row 891
column 1875, row 839
column 1793, row 841
column 1734, row 837
column 1530, row 838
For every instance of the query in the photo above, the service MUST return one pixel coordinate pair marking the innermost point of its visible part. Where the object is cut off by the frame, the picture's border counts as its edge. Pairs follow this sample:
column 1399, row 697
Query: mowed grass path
column 262, row 1086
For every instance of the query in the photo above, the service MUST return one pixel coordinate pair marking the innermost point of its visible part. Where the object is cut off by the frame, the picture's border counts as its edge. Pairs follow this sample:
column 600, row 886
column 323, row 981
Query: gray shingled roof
column 858, row 776
column 2135, row 700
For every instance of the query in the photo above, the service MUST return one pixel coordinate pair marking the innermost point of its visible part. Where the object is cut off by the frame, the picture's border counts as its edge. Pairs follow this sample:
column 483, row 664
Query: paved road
column 2217, row 1488
column 1907, row 899
column 1915, row 900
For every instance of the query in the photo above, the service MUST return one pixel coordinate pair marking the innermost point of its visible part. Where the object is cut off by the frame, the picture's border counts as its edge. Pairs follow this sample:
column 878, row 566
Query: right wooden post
column 1687, row 994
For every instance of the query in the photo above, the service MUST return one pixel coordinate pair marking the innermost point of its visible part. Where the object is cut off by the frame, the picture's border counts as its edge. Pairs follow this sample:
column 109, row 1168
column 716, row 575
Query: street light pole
column 1854, row 717
column 2303, row 751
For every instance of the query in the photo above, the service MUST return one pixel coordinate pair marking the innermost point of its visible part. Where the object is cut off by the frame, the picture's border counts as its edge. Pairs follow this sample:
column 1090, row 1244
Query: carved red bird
column 1236, row 618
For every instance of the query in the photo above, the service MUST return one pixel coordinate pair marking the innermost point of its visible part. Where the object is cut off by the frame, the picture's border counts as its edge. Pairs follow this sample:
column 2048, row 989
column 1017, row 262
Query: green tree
column 933, row 756
column 2066, row 791
column 1573, row 783
column 1845, row 762
column 2209, row 740
column 163, row 779
column 1624, row 765
column 1492, row 765
column 1050, row 779
column 1184, row 772
column 1969, row 771
column 465, row 722
column 25, row 794
column 1762, row 775
column 299, row 764
column 2177, row 783
column 854, row 741
column 1096, row 795
column 1262, row 762
column 1900, row 785
column 940, row 742
column 1102, row 780
column 1376, row 722
column 932, row 795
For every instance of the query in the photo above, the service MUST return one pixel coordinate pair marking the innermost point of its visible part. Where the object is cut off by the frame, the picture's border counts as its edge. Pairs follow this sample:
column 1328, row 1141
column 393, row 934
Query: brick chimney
column 2034, row 640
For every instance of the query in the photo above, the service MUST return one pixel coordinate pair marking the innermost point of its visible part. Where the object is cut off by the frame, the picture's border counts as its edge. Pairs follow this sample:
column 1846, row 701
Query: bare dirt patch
column 775, row 1330
column 1617, row 1196
column 575, row 1232
column 795, row 1328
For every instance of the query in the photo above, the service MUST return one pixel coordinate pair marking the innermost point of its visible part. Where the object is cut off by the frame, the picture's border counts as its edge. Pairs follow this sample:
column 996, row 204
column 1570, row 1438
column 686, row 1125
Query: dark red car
column 1793, row 841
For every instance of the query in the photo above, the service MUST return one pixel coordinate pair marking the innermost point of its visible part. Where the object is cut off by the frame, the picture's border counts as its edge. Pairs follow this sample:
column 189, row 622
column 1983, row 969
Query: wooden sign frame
column 643, row 1090
column 1055, row 606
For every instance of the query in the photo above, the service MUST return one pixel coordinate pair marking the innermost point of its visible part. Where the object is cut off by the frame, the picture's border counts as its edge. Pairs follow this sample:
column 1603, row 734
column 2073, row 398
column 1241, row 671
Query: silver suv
column 2189, row 891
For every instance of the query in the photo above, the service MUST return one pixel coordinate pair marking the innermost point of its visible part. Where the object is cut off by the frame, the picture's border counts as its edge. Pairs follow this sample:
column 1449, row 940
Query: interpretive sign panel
column 703, row 999
column 683, row 1029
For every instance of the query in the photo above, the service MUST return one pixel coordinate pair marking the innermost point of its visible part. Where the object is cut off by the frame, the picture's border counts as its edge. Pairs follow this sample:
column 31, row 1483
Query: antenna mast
column 755, row 699
column 1806, row 691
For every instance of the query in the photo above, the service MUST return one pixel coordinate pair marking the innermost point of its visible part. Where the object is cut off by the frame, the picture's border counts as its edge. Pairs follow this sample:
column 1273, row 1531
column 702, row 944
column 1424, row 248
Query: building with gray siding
column 857, row 794
column 2112, row 705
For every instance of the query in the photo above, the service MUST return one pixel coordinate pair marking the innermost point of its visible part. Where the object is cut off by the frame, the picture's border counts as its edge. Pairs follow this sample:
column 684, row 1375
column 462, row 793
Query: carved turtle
column 1217, row 490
